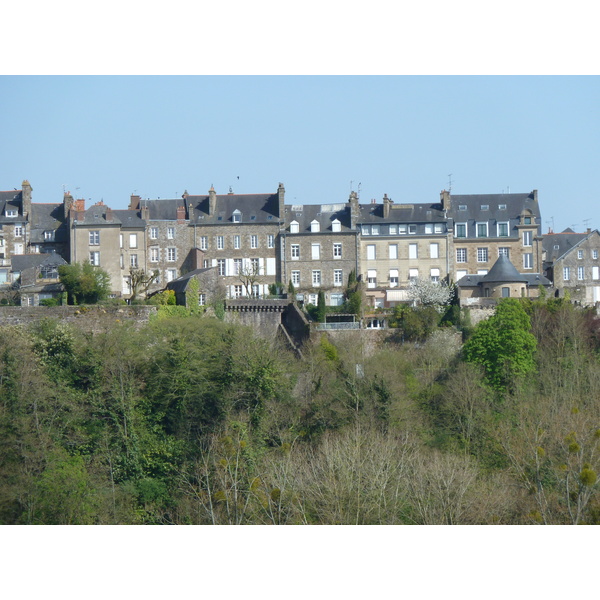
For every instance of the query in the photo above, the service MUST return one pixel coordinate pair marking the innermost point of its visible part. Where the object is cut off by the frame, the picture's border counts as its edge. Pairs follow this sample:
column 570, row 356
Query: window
column 402, row 229
column 336, row 225
column 528, row 260
column 566, row 273
column 393, row 251
column 412, row 229
column 374, row 229
column 133, row 261
column 236, row 242
column 312, row 299
column 201, row 299
column 11, row 212
column 133, row 240
column 120, row 240
column 460, row 274
column 295, row 251
column 18, row 230
column 506, row 292
column 294, row 227
column 393, row 229
column 527, row 238
column 337, row 251
column 94, row 238
column 171, row 274
column 221, row 266
column 171, row 254
column 461, row 255
column 237, row 266
column 255, row 266
column 18, row 249
column 435, row 275
column 371, row 278
column 504, row 252
column 270, row 241
column 434, row 250
column 580, row 254
column 482, row 254
column 485, row 207
column 315, row 227
column 338, row 277
column 581, row 273
column 336, row 299
column 315, row 251
column 121, row 261
column 462, row 207
column 316, row 278
column 429, row 228
column 501, row 206
column 153, row 233
column 413, row 274
column 482, row 230
column 595, row 254
column 366, row 230
column 154, row 255
column 253, row 241
column 49, row 236
column 595, row 272
column 502, row 229
column 296, row 278
column 236, row 216
column 170, row 233
column 393, row 278
column 220, row 242
column 438, row 228
column 413, row 251
column 371, row 252
column 460, row 230
column 95, row 259
column 482, row 271
column 203, row 242
column 527, row 220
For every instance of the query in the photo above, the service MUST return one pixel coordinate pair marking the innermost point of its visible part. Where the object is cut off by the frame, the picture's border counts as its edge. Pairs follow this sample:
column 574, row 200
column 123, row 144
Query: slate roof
column 503, row 271
column 13, row 199
column 255, row 208
column 566, row 241
column 180, row 284
column 96, row 216
column 164, row 210
column 402, row 213
column 324, row 214
column 45, row 217
column 23, row 262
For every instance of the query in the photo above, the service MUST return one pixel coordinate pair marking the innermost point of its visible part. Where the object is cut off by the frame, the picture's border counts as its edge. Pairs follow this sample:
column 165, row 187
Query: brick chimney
column 79, row 205
column 212, row 202
column 26, row 196
column 281, row 198
column 134, row 202
column 386, row 206
column 354, row 210
column 109, row 214
column 181, row 214
column 445, row 200
column 145, row 213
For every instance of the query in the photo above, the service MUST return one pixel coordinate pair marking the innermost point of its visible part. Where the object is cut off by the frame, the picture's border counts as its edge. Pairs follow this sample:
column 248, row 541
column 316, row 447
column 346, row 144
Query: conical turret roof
column 503, row 271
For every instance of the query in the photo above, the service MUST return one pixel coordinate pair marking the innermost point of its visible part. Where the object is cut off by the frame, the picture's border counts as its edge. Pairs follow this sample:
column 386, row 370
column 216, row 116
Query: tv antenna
column 358, row 191
column 449, row 183
column 586, row 223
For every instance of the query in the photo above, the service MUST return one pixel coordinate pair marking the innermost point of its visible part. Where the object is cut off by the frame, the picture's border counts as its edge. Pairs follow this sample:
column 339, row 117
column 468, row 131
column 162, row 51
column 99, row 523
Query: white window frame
column 371, row 278
column 579, row 254
column 580, row 273
column 499, row 225
column 133, row 261
column 338, row 277
column 295, row 251
column 566, row 273
column 154, row 254
column 336, row 225
column 393, row 251
column 394, row 277
column 253, row 241
column 95, row 258
column 171, row 254
column 413, row 251
column 133, row 240
column 315, row 251
column 94, row 237
column 18, row 230
column 412, row 229
column 371, row 252
column 237, row 242
column 434, row 275
column 528, row 260
column 482, row 224
column 153, row 233
column 337, row 251
column 203, row 242
column 170, row 233
column 527, row 239
column 220, row 242
column 434, row 250
column 237, row 266
column 461, row 255
column 481, row 253
column 315, row 226
column 222, row 267
column 296, row 278
column 294, row 227
column 270, row 240
column 458, row 227
column 316, row 278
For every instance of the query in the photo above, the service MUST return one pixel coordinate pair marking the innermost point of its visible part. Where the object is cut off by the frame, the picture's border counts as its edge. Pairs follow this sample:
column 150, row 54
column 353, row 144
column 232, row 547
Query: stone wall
column 263, row 315
column 89, row 318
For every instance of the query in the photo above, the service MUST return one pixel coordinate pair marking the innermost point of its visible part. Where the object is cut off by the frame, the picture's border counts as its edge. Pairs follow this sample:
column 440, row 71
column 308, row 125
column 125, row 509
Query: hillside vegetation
column 189, row 420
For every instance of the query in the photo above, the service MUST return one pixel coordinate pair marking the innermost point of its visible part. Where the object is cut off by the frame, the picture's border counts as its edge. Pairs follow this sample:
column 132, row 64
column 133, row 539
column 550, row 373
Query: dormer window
column 294, row 227
column 462, row 207
column 315, row 226
column 49, row 235
column 236, row 216
column 336, row 225
column 11, row 212
column 485, row 207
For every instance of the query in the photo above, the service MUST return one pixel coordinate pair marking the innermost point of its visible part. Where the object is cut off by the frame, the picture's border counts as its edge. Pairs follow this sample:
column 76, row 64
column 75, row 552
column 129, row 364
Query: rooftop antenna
column 358, row 192
column 586, row 223
column 64, row 187
column 351, row 182
column 449, row 183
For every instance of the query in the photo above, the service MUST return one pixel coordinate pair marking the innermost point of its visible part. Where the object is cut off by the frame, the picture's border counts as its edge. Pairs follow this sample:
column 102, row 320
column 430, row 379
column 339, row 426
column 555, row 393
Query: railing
column 335, row 326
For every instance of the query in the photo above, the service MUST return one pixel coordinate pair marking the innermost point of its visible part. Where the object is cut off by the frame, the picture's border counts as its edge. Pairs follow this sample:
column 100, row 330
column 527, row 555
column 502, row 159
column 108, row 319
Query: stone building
column 318, row 250
column 571, row 261
column 400, row 243
column 35, row 277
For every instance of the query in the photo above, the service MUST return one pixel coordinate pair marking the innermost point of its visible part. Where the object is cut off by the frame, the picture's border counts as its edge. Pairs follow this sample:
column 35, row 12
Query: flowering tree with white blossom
column 430, row 293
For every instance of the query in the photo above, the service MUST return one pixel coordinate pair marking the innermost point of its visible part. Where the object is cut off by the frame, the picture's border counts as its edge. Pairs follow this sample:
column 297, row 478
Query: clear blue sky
column 105, row 137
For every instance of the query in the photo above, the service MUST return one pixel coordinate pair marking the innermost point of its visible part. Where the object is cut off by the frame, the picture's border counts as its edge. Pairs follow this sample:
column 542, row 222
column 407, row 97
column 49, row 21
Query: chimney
column 109, row 214
column 181, row 214
column 354, row 210
column 190, row 212
column 535, row 194
column 145, row 213
column 26, row 197
column 68, row 202
column 281, row 198
column 134, row 202
column 79, row 205
column 589, row 230
column 386, row 206
column 212, row 202
column 445, row 200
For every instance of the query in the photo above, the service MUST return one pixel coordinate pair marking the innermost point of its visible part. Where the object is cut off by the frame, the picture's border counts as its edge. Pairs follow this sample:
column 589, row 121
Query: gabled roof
column 515, row 205
column 255, row 209
column 324, row 214
column 503, row 271
column 180, row 284
column 22, row 262
column 47, row 217
column 12, row 199
column 557, row 245
column 402, row 213
column 96, row 215
column 163, row 209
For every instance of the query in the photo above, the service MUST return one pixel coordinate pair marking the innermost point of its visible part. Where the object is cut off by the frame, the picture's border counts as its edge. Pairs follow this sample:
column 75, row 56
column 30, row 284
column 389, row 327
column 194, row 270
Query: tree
column 250, row 274
column 430, row 293
column 141, row 281
column 503, row 345
column 84, row 283
column 321, row 309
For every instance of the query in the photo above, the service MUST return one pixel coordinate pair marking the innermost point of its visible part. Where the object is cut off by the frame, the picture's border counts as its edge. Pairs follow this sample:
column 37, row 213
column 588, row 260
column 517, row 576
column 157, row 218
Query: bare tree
column 251, row 275
column 140, row 281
